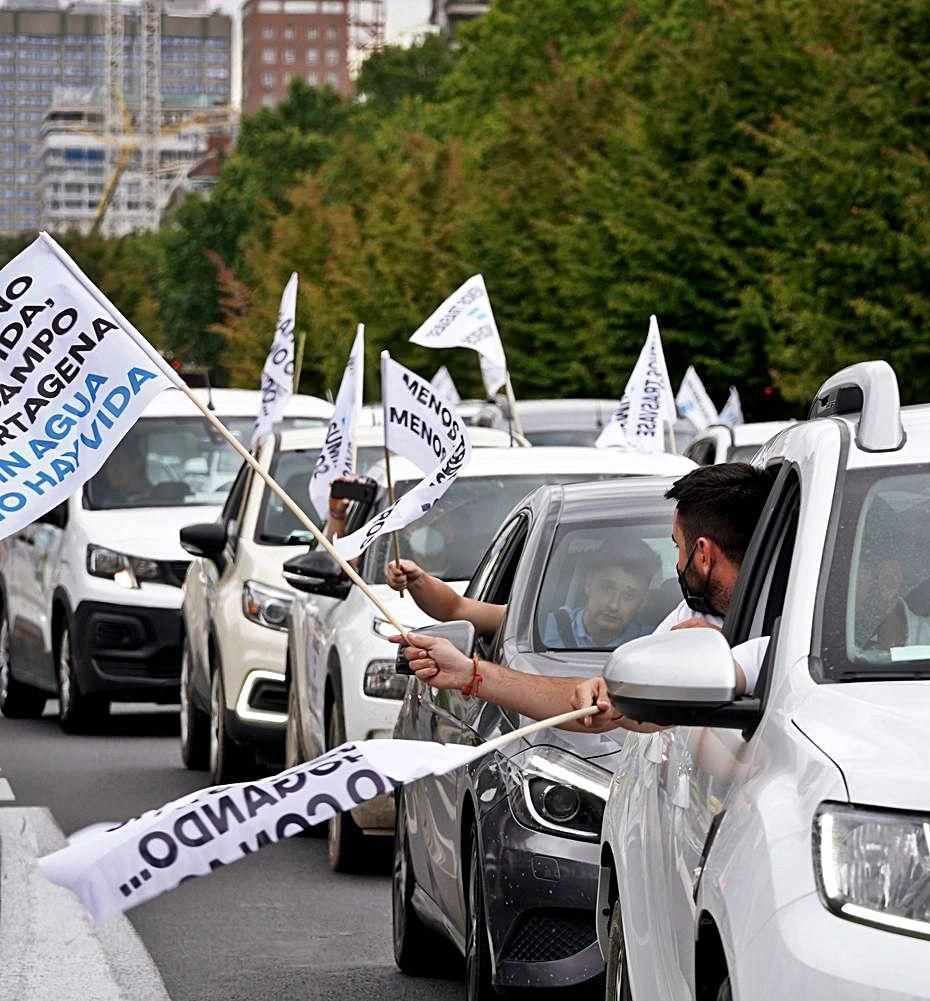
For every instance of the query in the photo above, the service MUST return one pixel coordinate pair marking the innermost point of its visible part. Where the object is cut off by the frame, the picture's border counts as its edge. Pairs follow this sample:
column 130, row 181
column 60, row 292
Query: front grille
column 550, row 933
column 175, row 571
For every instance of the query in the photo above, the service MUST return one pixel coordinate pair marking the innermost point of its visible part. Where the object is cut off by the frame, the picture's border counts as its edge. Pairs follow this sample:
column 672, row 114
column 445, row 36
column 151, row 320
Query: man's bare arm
column 440, row 601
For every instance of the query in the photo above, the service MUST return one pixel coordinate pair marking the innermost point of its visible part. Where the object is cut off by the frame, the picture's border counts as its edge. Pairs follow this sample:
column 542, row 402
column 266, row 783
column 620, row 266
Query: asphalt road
column 277, row 924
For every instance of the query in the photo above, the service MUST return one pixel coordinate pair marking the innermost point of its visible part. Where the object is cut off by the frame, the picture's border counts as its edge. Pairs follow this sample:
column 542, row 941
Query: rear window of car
column 876, row 606
column 606, row 584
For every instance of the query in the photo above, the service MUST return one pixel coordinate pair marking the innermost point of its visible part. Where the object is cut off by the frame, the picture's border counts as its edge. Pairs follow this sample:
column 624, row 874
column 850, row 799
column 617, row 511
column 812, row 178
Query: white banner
column 74, row 377
column 113, row 868
column 732, row 412
column 337, row 457
column 647, row 404
column 278, row 373
column 693, row 402
column 466, row 320
column 424, row 428
column 444, row 385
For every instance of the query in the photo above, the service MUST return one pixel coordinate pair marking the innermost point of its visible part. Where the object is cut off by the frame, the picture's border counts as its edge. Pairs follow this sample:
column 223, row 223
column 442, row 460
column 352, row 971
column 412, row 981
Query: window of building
column 268, row 101
column 333, row 7
column 332, row 57
column 332, row 79
column 290, row 57
column 268, row 32
column 313, row 56
column 289, row 34
column 313, row 79
column 269, row 56
column 267, row 79
column 332, row 33
column 313, row 34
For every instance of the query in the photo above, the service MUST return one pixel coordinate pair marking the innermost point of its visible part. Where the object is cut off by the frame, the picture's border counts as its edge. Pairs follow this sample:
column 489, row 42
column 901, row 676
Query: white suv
column 778, row 846
column 340, row 663
column 91, row 591
column 722, row 443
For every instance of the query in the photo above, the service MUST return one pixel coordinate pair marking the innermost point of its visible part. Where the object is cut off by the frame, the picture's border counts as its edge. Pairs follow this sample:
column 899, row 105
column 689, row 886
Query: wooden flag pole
column 544, row 724
column 295, row 510
column 512, row 403
column 299, row 358
column 390, row 493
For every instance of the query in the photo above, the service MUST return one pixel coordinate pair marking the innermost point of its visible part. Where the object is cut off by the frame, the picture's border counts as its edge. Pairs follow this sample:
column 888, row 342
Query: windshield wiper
column 892, row 674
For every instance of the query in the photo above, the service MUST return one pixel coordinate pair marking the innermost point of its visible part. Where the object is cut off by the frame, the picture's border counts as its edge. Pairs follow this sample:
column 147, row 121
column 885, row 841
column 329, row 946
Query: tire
column 725, row 993
column 618, row 977
column 344, row 837
column 17, row 699
column 77, row 711
column 478, row 986
column 418, row 950
column 294, row 753
column 229, row 761
column 195, row 724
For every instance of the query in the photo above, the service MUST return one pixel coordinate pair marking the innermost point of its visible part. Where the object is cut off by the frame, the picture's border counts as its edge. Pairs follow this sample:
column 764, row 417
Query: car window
column 876, row 612
column 605, row 584
column 578, row 436
column 741, row 453
column 449, row 539
column 702, row 452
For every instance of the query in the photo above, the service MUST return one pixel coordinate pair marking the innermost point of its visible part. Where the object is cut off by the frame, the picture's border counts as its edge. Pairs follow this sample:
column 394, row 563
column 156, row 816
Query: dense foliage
column 755, row 172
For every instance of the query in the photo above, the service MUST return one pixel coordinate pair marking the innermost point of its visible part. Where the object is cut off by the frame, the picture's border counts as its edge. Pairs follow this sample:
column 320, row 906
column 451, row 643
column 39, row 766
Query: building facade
column 447, row 15
column 44, row 47
column 282, row 39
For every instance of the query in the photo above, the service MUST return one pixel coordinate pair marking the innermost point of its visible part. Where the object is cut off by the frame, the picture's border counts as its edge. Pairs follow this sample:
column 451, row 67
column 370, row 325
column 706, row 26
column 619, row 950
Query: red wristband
column 472, row 687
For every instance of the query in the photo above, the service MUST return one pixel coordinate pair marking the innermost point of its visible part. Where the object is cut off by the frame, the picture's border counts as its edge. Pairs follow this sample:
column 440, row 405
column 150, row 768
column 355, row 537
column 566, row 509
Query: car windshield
column 578, row 436
column 277, row 526
column 172, row 462
column 876, row 623
column 606, row 584
column 741, row 453
column 450, row 539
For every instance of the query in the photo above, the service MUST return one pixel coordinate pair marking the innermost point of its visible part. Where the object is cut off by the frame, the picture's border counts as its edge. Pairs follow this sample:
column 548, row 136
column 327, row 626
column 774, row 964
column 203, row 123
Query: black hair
column 723, row 503
column 634, row 556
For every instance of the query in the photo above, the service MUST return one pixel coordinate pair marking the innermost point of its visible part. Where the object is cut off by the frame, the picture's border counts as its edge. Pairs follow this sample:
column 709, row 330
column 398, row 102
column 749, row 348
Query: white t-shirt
column 748, row 655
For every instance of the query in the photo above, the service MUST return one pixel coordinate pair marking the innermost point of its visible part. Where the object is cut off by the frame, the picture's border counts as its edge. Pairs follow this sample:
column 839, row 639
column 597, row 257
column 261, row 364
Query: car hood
column 150, row 532
column 876, row 733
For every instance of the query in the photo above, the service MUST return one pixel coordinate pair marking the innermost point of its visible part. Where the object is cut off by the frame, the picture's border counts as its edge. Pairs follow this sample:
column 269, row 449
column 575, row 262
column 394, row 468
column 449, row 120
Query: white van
column 90, row 593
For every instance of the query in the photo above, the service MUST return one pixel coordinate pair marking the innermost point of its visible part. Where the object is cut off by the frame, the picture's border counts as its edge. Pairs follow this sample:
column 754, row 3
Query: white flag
column 732, row 412
column 647, row 404
column 466, row 320
column 337, row 457
column 424, row 428
column 693, row 402
column 278, row 373
column 74, row 377
column 112, row 868
column 443, row 384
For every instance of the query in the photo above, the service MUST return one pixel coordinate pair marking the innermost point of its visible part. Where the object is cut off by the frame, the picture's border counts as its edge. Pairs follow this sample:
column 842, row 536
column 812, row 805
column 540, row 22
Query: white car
column 340, row 663
column 722, row 443
column 778, row 846
column 236, row 607
column 91, row 591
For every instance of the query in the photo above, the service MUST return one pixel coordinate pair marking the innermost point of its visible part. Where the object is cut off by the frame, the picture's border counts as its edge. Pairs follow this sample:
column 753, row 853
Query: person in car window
column 717, row 511
column 123, row 479
column 615, row 589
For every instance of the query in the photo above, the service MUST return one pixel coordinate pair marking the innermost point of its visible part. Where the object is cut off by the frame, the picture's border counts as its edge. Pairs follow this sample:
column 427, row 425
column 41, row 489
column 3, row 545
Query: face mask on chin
column 699, row 603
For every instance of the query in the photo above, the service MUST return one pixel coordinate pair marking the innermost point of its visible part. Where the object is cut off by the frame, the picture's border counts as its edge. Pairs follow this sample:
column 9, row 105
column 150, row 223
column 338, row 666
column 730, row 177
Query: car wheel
column 418, row 950
column 725, row 993
column 346, row 850
column 618, row 976
column 478, row 985
column 229, row 761
column 77, row 712
column 293, row 746
column 17, row 700
column 195, row 725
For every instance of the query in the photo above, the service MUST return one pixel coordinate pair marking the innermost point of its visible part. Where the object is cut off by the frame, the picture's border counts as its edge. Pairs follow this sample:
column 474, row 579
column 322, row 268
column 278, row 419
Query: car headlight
column 125, row 570
column 266, row 605
column 559, row 793
column 383, row 682
column 873, row 866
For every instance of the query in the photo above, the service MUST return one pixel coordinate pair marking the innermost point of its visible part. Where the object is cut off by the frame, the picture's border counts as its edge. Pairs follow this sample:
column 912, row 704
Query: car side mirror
column 459, row 633
column 207, row 540
column 317, row 572
column 685, row 677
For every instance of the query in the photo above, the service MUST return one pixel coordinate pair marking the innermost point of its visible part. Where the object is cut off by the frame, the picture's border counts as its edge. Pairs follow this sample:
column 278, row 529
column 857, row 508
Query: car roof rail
column 870, row 389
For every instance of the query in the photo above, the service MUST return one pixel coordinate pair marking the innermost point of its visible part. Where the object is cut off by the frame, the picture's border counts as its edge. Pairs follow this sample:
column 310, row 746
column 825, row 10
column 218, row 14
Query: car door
column 700, row 769
column 449, row 717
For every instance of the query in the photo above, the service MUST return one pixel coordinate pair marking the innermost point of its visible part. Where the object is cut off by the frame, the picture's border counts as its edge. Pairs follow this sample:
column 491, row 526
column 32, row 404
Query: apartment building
column 282, row 39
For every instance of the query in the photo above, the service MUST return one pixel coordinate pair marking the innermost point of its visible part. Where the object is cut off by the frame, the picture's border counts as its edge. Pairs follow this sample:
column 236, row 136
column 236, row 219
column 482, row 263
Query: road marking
column 6, row 791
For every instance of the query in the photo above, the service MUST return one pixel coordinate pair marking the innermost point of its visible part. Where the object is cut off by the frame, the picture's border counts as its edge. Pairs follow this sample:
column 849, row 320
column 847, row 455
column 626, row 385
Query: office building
column 44, row 46
column 447, row 15
column 282, row 39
